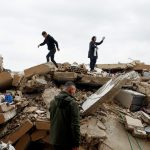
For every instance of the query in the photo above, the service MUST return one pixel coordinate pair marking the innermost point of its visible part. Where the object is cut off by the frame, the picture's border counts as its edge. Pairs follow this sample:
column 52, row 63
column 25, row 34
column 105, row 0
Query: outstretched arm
column 44, row 42
column 98, row 43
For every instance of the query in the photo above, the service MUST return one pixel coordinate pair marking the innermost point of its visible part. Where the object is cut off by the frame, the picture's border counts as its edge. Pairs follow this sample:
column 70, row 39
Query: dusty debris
column 33, row 91
column 24, row 128
column 4, row 107
column 5, row 116
column 145, row 117
column 92, row 132
column 105, row 93
column 131, row 99
column 4, row 146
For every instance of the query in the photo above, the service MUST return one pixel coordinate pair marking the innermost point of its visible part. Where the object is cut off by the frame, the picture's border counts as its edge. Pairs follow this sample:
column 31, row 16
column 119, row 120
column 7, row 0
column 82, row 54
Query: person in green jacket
column 64, row 118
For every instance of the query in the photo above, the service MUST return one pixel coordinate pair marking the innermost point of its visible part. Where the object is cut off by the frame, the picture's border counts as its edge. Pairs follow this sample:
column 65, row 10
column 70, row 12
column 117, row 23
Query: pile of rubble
column 25, row 99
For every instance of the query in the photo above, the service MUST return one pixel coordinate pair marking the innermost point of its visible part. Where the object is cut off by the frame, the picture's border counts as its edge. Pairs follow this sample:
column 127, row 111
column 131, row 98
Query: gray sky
column 125, row 23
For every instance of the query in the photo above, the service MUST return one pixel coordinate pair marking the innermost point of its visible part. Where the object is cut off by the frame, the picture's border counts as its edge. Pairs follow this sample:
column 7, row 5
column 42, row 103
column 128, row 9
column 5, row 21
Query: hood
column 63, row 99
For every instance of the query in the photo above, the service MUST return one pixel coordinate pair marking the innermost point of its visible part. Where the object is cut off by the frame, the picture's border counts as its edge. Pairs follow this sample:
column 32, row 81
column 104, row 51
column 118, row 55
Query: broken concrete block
column 24, row 128
column 4, row 117
column 23, row 142
column 4, row 107
column 39, row 70
column 145, row 117
column 35, row 84
column 132, row 123
column 131, row 99
column 94, row 80
column 30, row 109
column 38, row 134
column 42, row 125
column 91, row 134
column 5, row 80
column 65, row 76
column 106, row 93
column 48, row 96
column 101, row 125
column 139, row 133
column 17, row 79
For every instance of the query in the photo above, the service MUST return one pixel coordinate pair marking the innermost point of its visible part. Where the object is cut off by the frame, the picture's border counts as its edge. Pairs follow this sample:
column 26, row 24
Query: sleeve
column 56, row 43
column 98, row 43
column 75, row 124
column 44, row 42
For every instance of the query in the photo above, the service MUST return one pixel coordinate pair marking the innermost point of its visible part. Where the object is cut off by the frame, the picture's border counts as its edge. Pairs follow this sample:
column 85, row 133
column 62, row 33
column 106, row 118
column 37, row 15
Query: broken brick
column 17, row 79
column 38, row 134
column 24, row 128
column 42, row 125
column 4, row 107
column 23, row 142
column 4, row 117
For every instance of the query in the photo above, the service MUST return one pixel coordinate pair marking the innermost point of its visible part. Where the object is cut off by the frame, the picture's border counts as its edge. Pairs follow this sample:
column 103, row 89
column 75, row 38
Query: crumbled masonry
column 114, row 102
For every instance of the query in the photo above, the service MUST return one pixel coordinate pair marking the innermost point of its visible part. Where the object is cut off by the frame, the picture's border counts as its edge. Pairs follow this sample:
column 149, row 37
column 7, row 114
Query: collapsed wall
column 32, row 93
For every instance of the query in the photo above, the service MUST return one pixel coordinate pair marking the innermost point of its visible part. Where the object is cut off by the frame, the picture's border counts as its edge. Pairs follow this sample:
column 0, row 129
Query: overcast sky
column 124, row 23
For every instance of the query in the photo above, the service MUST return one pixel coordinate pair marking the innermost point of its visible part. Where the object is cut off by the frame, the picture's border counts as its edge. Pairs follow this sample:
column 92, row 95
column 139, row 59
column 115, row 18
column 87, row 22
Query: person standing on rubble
column 93, row 54
column 52, row 45
column 64, row 118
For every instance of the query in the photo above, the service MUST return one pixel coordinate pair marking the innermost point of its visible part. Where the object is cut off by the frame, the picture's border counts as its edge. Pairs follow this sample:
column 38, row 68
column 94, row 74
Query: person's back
column 64, row 118
column 51, row 42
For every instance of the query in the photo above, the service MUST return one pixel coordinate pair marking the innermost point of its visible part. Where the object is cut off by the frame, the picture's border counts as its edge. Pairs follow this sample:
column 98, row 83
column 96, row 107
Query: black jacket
column 64, row 119
column 92, row 47
column 51, row 42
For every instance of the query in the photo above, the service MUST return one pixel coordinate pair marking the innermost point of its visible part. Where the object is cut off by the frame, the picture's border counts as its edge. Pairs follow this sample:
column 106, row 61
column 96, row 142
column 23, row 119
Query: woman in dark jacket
column 93, row 54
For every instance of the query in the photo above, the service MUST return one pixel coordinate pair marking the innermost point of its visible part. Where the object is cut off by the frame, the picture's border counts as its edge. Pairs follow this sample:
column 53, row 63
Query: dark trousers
column 51, row 55
column 54, row 147
column 93, row 62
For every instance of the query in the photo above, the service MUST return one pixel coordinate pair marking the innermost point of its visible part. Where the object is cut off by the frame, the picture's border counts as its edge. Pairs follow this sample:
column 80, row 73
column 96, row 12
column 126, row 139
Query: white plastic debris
column 4, row 146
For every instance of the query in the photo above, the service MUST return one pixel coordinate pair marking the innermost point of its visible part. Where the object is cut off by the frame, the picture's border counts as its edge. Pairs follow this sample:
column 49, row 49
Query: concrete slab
column 65, row 76
column 16, row 135
column 106, row 93
column 39, row 70
column 130, row 99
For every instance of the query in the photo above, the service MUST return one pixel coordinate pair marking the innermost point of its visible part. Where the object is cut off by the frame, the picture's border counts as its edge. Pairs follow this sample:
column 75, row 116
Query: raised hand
column 103, row 38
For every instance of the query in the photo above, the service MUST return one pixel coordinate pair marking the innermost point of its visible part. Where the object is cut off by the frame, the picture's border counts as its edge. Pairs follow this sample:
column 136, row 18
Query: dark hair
column 68, row 84
column 43, row 33
column 93, row 38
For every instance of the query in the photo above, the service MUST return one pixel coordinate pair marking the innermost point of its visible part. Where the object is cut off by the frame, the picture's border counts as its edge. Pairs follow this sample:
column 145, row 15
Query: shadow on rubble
column 38, row 146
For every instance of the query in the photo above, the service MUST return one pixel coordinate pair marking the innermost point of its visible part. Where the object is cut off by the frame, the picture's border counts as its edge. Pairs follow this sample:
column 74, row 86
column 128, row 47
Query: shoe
column 93, row 70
